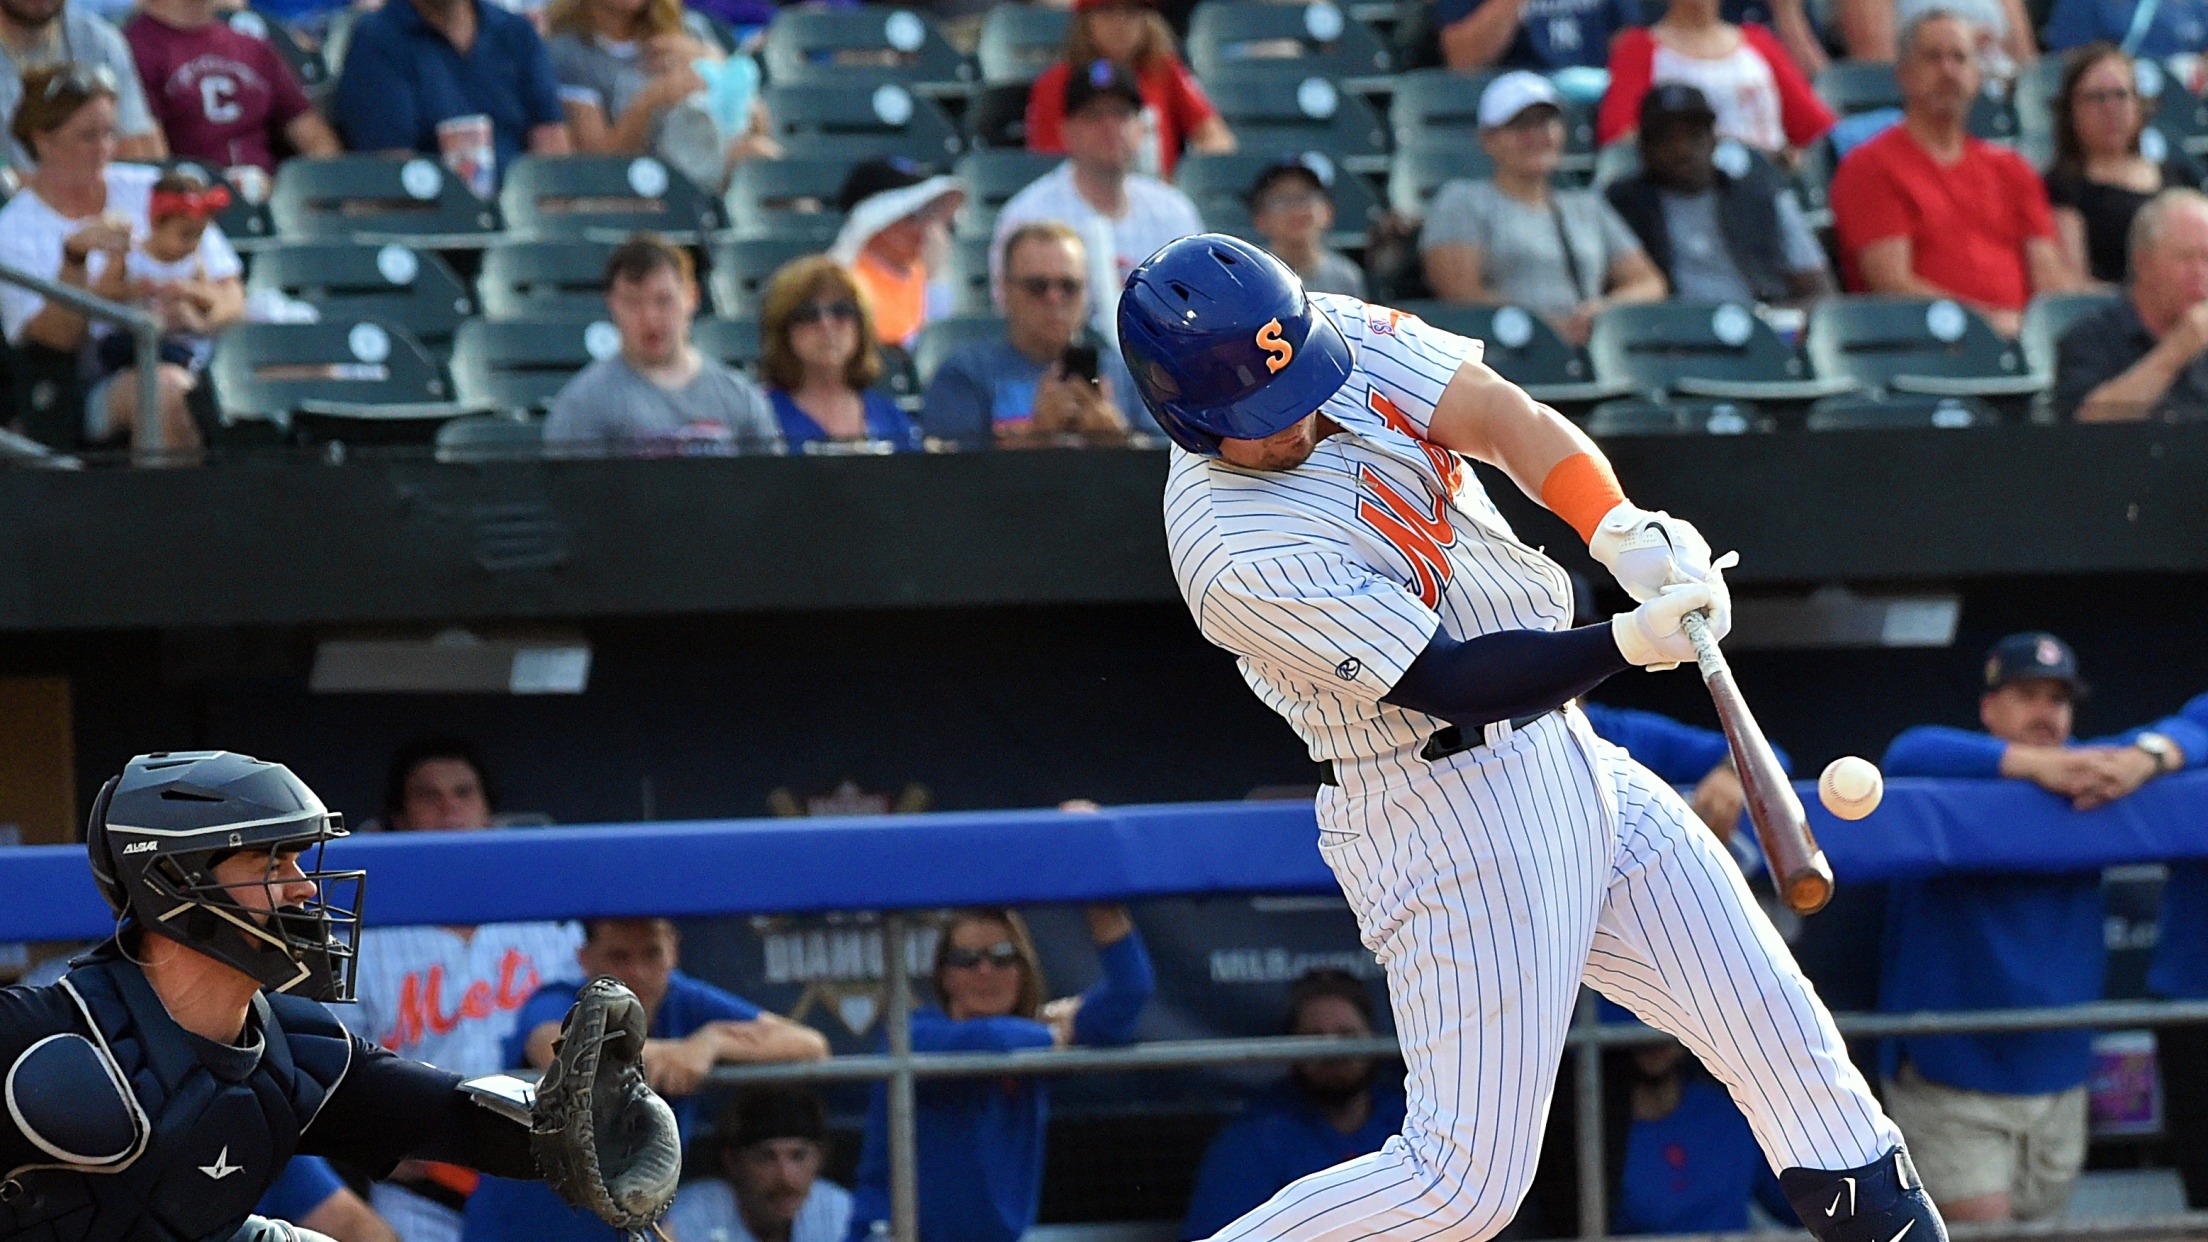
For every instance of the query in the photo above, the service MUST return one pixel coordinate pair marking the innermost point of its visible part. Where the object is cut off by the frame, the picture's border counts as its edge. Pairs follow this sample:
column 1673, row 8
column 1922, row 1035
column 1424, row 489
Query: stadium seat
column 824, row 46
column 2049, row 316
column 992, row 177
column 521, row 364
column 1523, row 349
column 734, row 341
column 1440, row 108
column 866, row 118
column 604, row 198
column 1297, row 40
column 1852, row 86
column 355, row 380
column 996, row 116
column 544, row 279
column 489, row 437
column 1926, row 346
column 900, row 378
column 1019, row 41
column 743, row 269
column 1313, row 114
column 1219, row 182
column 1418, row 173
column 1703, row 349
column 790, row 197
column 377, row 198
column 245, row 225
column 390, row 282
column 1643, row 417
column 940, row 339
column 1893, row 413
column 305, row 65
column 969, row 277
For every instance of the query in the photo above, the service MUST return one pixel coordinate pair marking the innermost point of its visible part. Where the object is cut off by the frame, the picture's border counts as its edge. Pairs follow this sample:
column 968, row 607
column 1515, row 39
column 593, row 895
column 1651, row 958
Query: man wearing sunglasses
column 1048, row 379
column 1121, row 214
column 37, row 33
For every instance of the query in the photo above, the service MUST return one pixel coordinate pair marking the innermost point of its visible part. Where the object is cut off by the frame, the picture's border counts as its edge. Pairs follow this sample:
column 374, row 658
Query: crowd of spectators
column 1711, row 183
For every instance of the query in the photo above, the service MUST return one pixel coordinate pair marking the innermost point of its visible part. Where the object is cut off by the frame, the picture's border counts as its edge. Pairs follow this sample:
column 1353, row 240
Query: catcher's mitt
column 600, row 1135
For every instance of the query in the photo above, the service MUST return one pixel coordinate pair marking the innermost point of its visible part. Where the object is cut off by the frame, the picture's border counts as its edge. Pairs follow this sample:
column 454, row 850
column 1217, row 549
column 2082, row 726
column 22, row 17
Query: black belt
column 1444, row 742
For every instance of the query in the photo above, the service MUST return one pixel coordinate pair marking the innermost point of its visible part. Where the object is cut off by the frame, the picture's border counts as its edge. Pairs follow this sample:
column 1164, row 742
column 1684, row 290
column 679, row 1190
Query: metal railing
column 902, row 1068
column 148, row 436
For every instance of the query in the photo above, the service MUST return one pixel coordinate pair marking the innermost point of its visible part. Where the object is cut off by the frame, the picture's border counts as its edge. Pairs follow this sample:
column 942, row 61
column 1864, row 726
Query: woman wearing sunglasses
column 981, row 1140
column 819, row 360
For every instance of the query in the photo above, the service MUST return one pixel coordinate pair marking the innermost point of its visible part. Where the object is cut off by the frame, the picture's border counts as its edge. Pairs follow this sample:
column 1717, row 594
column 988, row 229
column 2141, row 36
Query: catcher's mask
column 158, row 831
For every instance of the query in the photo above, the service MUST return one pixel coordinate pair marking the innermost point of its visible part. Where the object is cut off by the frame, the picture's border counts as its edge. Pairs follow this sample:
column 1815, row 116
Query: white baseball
column 1851, row 787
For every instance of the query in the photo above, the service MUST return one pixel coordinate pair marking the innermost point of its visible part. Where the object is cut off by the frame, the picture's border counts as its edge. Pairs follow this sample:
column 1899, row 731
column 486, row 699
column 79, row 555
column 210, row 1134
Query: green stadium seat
column 743, row 269
column 863, row 117
column 825, row 46
column 1643, row 417
column 1310, row 114
column 409, row 198
column 521, row 364
column 544, row 279
column 1720, row 350
column 1297, row 40
column 1219, row 182
column 604, row 198
column 794, row 196
column 991, row 178
column 734, row 341
column 1933, row 347
column 360, row 381
column 1019, row 41
column 1523, row 349
column 1900, row 413
column 389, row 281
column 489, row 437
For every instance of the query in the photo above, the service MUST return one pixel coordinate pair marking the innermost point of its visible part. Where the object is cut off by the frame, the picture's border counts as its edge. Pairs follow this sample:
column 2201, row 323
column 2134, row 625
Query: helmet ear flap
column 98, row 847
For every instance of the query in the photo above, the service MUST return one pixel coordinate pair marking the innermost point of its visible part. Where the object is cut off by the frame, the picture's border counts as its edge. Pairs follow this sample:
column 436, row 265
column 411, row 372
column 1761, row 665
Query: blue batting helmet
column 1224, row 343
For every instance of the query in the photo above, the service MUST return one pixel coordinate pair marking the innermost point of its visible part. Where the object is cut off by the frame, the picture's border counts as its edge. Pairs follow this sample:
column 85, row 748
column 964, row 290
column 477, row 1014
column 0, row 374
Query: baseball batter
column 1325, row 529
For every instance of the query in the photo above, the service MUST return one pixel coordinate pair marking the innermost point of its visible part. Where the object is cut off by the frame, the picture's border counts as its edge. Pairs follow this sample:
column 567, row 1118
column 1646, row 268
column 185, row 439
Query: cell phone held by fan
column 1078, row 362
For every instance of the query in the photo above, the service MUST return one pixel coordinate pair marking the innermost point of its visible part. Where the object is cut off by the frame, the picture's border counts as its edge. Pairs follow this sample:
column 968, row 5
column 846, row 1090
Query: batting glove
column 1648, row 550
column 1649, row 636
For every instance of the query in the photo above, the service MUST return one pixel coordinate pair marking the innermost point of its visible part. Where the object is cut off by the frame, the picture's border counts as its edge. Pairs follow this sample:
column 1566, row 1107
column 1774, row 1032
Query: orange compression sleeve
column 1580, row 489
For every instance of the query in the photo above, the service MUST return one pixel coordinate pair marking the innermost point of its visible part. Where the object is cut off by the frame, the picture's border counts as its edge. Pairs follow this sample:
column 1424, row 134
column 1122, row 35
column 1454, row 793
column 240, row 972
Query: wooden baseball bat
column 1797, row 864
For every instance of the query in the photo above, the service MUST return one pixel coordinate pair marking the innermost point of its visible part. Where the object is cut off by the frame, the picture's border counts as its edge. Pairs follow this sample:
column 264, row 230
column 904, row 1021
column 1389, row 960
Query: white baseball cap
column 1513, row 93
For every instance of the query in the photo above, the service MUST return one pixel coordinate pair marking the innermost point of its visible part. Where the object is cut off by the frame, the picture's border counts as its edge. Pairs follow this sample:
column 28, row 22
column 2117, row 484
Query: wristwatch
column 2159, row 748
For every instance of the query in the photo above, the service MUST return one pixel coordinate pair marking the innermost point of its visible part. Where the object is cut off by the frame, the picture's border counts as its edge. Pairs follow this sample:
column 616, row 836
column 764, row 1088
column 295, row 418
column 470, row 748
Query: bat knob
column 1807, row 891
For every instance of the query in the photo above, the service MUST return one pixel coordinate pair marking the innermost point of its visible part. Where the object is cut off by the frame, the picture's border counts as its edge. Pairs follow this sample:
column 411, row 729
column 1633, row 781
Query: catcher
column 155, row 1091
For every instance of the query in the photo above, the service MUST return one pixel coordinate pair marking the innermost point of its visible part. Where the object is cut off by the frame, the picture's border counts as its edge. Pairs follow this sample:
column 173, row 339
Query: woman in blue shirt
column 981, row 1140
column 819, row 360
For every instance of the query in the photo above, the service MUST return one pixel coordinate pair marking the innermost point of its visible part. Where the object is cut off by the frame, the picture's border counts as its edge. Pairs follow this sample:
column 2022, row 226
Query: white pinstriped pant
column 1490, row 885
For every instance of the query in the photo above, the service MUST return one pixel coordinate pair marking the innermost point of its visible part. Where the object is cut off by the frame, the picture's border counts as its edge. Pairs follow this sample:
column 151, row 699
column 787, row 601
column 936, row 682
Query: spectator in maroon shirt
column 221, row 95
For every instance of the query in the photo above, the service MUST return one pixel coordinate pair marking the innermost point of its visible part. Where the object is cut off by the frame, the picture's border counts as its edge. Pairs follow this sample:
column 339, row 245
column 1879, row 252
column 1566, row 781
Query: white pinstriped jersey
column 429, row 994
column 1327, row 580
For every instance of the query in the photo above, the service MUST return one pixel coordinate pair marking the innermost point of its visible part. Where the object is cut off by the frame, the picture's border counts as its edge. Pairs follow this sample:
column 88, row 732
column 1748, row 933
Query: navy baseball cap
column 1098, row 79
column 2033, row 655
column 1675, row 101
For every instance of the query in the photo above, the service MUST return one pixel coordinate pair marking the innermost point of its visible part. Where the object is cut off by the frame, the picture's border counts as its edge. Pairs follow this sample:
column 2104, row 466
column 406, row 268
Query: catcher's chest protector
column 217, row 1134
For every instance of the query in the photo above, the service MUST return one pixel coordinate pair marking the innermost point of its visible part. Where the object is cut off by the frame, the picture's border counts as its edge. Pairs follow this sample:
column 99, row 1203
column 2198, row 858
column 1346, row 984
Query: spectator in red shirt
column 221, row 95
column 1760, row 96
column 1926, row 210
column 1132, row 35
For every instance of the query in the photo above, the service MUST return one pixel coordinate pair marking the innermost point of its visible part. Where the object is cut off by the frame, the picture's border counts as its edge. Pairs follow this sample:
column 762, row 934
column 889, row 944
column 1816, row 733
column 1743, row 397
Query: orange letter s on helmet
column 1277, row 350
